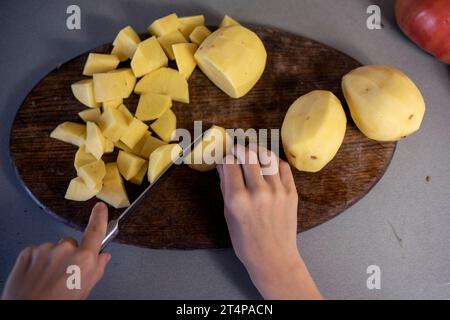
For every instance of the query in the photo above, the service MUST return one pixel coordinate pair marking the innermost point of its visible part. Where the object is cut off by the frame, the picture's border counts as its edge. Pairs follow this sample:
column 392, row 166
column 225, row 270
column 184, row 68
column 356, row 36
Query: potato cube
column 128, row 116
column 70, row 132
column 109, row 146
column 129, row 164
column 119, row 144
column 112, row 103
column 134, row 133
column 95, row 140
column 227, row 21
column 188, row 24
column 113, row 191
column 150, row 145
column 113, row 124
column 184, row 56
column 152, row 105
column 170, row 39
column 165, row 81
column 100, row 62
column 112, row 85
column 160, row 160
column 126, row 42
column 165, row 126
column 83, row 91
column 164, row 25
column 149, row 56
column 119, row 54
column 92, row 173
column 90, row 114
column 78, row 190
column 139, row 177
column 138, row 147
column 199, row 34
column 82, row 157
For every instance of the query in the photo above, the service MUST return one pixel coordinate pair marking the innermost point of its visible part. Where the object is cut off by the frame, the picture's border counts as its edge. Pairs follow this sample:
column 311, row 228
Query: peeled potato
column 384, row 103
column 188, row 24
column 165, row 126
column 92, row 173
column 164, row 25
column 70, row 132
column 160, row 159
column 82, row 157
column 79, row 191
column 227, row 21
column 113, row 190
column 313, row 130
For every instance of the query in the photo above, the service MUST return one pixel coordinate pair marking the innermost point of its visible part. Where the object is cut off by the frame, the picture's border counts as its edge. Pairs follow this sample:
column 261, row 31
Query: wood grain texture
column 186, row 209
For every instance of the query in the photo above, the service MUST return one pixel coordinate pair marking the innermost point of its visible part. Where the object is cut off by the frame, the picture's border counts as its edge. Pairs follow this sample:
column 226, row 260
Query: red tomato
column 427, row 23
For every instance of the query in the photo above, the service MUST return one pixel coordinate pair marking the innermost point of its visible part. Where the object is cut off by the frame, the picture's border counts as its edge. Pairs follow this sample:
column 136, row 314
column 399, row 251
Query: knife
column 112, row 230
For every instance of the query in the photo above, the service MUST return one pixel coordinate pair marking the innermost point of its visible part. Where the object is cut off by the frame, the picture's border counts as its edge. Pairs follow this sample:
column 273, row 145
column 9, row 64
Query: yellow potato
column 164, row 25
column 216, row 142
column 100, row 62
column 227, row 21
column 92, row 173
column 184, row 56
column 83, row 91
column 82, row 157
column 95, row 140
column 129, row 164
column 165, row 81
column 149, row 56
column 233, row 58
column 70, row 132
column 78, row 190
column 119, row 54
column 166, row 41
column 188, row 24
column 126, row 113
column 113, row 124
column 165, row 126
column 113, row 85
column 113, row 190
column 313, row 130
column 160, row 159
column 385, row 104
column 135, row 131
column 150, row 145
column 126, row 42
column 199, row 34
column 109, row 146
column 151, row 106
column 112, row 103
column 122, row 146
column 90, row 114
column 139, row 177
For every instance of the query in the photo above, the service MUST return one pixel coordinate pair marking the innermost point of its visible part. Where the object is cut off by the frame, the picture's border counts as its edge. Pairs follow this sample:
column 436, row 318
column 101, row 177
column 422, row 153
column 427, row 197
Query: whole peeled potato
column 384, row 103
column 313, row 130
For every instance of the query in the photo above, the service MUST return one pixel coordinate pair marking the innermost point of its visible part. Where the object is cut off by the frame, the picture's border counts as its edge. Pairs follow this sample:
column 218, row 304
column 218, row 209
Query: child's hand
column 40, row 272
column 261, row 213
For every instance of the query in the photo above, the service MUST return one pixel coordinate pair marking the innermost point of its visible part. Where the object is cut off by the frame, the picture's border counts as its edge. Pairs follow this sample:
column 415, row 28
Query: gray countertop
column 402, row 225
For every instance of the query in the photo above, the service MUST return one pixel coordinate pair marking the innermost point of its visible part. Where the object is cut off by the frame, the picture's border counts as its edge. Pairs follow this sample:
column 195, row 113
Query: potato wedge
column 165, row 126
column 100, row 62
column 188, row 24
column 160, row 159
column 126, row 42
column 164, row 25
column 166, row 41
column 135, row 131
column 150, row 145
column 113, row 191
column 116, row 84
column 184, row 56
column 199, row 34
column 113, row 124
column 149, row 56
column 95, row 140
column 83, row 91
column 82, row 157
column 151, row 106
column 92, row 173
column 78, row 190
column 70, row 132
column 90, row 114
column 129, row 164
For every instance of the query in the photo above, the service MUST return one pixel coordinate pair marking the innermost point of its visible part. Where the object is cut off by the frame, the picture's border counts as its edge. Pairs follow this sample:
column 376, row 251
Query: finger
column 250, row 165
column 232, row 177
column 23, row 260
column 286, row 177
column 270, row 167
column 96, row 229
column 102, row 261
column 68, row 241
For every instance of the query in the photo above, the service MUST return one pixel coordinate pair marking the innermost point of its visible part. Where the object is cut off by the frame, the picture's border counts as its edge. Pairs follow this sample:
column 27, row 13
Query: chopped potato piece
column 119, row 54
column 135, row 131
column 82, row 157
column 160, row 159
column 113, row 124
column 113, row 85
column 164, row 25
column 152, row 105
column 233, row 58
column 170, row 39
column 138, row 146
column 188, row 24
column 119, row 144
column 70, row 132
column 100, row 62
column 227, row 21
column 95, row 140
column 165, row 126
column 199, row 34
column 113, row 190
column 109, row 146
column 165, row 81
column 112, row 103
column 83, row 91
column 139, row 177
column 78, row 190
column 90, row 114
column 126, row 113
column 149, row 56
column 129, row 164
column 184, row 56
column 126, row 42
column 150, row 145
column 92, row 173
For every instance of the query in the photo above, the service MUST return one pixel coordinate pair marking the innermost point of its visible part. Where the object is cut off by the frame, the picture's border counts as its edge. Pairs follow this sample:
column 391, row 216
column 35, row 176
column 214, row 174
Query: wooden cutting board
column 185, row 210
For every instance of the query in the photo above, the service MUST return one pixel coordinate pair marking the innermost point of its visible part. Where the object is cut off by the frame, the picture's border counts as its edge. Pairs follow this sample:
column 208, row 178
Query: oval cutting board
column 185, row 210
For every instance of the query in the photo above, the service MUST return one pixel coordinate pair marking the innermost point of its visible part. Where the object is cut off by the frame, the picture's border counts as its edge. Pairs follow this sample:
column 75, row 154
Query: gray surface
column 34, row 40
